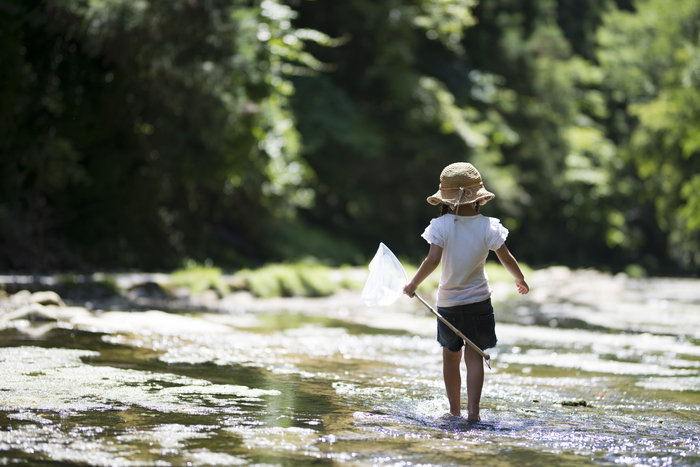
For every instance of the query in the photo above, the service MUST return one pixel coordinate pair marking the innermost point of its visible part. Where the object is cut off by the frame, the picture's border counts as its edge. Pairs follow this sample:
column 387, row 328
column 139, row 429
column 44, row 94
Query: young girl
column 461, row 240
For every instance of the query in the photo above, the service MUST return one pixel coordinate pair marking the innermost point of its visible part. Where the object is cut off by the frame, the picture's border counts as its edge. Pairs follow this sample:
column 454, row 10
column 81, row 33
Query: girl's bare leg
column 475, row 382
column 453, row 379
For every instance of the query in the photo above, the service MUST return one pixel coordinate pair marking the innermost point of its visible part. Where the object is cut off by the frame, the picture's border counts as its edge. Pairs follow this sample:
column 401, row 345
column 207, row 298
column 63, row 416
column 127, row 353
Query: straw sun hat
column 460, row 183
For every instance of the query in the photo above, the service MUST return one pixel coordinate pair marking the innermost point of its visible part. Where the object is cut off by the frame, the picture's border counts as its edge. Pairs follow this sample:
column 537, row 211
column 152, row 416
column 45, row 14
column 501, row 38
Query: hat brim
column 482, row 195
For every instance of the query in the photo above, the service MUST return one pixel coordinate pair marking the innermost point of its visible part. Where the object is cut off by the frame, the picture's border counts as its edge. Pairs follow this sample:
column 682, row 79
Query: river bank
column 559, row 297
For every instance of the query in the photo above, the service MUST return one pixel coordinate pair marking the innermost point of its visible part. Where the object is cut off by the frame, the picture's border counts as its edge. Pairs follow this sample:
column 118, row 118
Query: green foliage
column 303, row 279
column 295, row 240
column 651, row 61
column 390, row 120
column 97, row 285
column 198, row 278
column 353, row 277
column 317, row 280
column 148, row 131
column 271, row 281
column 635, row 271
column 138, row 133
column 508, row 95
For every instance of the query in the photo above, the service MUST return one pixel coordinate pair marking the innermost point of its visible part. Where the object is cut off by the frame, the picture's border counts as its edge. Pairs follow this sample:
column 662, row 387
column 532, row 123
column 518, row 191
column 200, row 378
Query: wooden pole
column 487, row 358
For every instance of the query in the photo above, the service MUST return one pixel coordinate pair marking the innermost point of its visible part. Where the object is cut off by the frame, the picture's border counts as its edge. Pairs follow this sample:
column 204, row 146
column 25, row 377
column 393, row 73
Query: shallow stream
column 603, row 377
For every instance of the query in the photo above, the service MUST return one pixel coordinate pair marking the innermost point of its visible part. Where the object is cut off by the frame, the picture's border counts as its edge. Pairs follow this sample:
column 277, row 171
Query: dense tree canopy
column 140, row 134
column 651, row 64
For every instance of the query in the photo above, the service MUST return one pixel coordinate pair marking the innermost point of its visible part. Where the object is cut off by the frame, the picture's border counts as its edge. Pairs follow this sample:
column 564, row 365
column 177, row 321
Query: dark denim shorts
column 475, row 320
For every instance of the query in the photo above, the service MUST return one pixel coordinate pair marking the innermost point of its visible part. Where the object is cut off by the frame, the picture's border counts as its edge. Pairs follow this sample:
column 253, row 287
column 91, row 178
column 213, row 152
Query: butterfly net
column 386, row 280
column 385, row 284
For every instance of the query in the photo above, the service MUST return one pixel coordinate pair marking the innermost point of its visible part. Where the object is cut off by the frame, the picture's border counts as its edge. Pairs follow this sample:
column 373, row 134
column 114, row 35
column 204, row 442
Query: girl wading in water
column 461, row 239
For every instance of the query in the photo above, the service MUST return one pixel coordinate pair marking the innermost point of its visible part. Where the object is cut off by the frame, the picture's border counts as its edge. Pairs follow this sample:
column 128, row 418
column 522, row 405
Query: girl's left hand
column 522, row 286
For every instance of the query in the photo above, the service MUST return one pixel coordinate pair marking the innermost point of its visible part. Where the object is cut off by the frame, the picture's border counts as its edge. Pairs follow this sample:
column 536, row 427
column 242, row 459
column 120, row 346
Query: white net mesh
column 386, row 280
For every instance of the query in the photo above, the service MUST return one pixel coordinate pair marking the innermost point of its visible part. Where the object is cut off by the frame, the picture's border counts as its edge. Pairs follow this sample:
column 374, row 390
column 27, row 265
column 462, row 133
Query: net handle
column 487, row 358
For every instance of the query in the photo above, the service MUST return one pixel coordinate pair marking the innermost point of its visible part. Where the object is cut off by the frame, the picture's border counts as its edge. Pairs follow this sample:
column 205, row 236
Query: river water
column 590, row 369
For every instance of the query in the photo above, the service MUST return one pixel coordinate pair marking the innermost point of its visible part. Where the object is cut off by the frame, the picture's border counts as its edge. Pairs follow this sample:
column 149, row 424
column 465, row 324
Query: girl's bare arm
column 511, row 265
column 426, row 268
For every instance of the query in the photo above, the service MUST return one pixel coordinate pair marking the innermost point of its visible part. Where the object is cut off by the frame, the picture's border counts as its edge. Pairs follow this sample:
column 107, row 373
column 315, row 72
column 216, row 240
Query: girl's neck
column 465, row 210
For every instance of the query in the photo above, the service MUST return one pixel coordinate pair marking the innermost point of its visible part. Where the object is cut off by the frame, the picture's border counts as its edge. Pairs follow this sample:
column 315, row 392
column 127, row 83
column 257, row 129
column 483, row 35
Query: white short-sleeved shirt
column 465, row 245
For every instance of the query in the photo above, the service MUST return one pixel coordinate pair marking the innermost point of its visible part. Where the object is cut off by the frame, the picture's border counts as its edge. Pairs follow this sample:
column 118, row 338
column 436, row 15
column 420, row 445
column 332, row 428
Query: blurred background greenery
column 151, row 134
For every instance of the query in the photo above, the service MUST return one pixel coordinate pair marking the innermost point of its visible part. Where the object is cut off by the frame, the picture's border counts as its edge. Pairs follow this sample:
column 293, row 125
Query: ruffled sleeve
column 497, row 234
column 433, row 234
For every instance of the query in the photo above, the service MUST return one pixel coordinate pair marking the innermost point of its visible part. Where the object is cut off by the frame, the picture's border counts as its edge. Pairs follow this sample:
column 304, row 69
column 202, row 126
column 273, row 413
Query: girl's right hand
column 522, row 286
column 409, row 289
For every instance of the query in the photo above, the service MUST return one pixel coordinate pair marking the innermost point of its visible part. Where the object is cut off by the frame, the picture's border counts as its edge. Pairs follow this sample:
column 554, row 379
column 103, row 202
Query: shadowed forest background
column 145, row 134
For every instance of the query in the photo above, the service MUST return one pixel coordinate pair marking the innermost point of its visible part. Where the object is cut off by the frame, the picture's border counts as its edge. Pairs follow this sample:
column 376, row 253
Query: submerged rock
column 151, row 290
column 46, row 298
column 34, row 312
column 575, row 404
column 19, row 299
